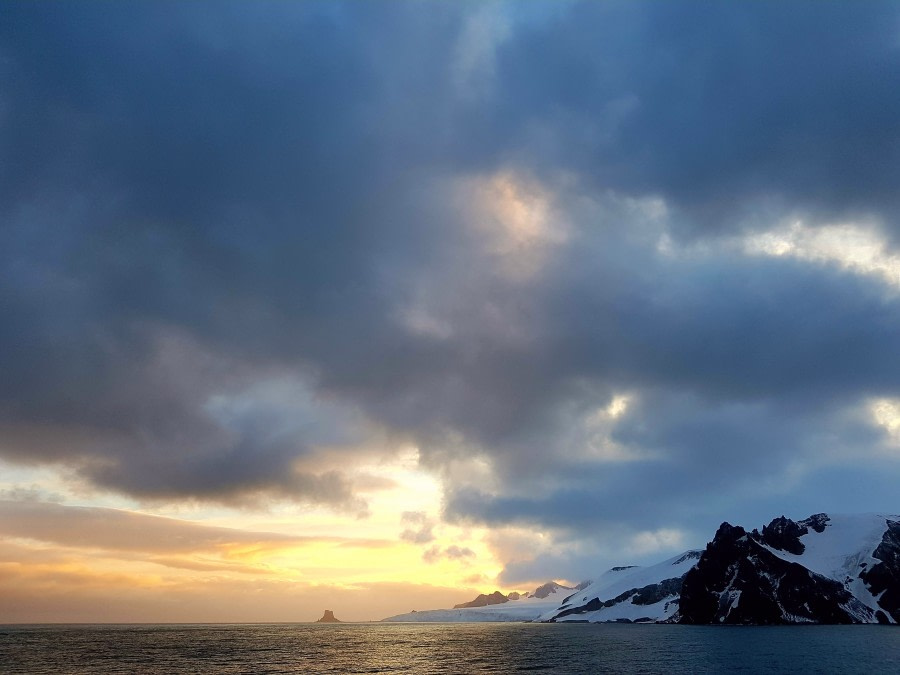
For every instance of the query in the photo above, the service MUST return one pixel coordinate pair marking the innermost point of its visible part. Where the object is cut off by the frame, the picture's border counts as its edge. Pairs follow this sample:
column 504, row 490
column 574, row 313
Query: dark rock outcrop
column 783, row 534
column 884, row 577
column 739, row 581
column 328, row 617
column 497, row 597
column 817, row 522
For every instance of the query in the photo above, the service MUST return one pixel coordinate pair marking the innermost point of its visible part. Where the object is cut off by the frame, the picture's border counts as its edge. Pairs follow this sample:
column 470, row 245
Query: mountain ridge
column 824, row 569
column 840, row 568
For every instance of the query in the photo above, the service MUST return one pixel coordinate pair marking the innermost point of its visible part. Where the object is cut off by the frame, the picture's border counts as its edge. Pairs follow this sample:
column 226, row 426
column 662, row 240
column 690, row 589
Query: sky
column 376, row 306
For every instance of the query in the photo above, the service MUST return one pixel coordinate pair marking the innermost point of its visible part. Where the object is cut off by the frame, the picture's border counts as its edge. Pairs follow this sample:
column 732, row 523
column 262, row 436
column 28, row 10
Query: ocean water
column 447, row 648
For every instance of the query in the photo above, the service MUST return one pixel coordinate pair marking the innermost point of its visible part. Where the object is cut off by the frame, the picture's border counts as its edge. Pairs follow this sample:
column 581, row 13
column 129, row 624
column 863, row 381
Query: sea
column 446, row 648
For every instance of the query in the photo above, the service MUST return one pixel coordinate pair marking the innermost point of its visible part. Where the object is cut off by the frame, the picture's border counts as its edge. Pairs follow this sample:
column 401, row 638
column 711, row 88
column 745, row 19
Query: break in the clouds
column 124, row 531
column 573, row 252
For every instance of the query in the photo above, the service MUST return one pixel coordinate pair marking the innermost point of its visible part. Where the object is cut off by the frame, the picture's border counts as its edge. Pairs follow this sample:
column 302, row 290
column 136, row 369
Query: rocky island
column 329, row 617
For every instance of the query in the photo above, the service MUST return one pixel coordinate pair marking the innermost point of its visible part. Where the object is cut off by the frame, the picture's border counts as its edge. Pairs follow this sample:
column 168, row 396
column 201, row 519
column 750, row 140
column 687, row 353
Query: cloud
column 852, row 246
column 180, row 420
column 452, row 552
column 240, row 243
column 108, row 529
column 421, row 530
column 473, row 67
column 728, row 106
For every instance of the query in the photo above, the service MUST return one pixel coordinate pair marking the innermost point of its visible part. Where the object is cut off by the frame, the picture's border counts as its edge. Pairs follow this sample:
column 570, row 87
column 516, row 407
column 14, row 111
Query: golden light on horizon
column 95, row 547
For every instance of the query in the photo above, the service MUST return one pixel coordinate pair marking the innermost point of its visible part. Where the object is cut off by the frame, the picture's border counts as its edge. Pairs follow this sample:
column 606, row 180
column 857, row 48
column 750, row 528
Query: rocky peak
column 784, row 534
column 817, row 522
column 550, row 587
column 739, row 581
column 328, row 617
column 483, row 600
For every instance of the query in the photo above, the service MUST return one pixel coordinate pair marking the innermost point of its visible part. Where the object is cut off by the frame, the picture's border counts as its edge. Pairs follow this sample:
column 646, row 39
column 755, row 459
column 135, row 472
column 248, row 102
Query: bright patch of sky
column 861, row 248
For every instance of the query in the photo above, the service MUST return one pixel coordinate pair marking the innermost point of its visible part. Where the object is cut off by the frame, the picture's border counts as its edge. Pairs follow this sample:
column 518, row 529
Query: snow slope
column 524, row 609
column 842, row 550
column 617, row 593
column 618, row 587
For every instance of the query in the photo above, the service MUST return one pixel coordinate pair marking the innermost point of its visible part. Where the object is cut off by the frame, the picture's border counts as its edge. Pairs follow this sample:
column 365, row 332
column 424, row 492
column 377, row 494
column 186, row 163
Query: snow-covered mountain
column 824, row 569
column 646, row 594
column 527, row 608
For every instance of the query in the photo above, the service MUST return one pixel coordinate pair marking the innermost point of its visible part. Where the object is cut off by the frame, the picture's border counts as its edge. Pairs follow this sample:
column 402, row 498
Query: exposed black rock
column 738, row 581
column 328, row 617
column 817, row 522
column 650, row 595
column 690, row 555
column 495, row 598
column 784, row 534
column 884, row 577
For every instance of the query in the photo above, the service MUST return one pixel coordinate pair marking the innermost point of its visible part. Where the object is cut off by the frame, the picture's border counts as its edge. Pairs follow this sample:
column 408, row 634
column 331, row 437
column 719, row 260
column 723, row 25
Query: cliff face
column 883, row 578
column 739, row 581
column 818, row 570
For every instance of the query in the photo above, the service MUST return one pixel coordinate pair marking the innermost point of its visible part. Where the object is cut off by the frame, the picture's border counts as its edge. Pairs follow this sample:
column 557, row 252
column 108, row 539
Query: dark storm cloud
column 206, row 168
column 198, row 198
column 745, row 377
column 714, row 104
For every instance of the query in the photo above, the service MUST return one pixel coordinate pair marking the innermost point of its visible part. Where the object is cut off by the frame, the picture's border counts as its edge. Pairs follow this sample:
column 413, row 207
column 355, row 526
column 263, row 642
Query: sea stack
column 328, row 617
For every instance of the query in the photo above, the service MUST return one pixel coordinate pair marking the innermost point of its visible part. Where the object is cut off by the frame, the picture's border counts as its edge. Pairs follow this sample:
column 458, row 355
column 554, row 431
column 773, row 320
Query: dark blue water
column 447, row 648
